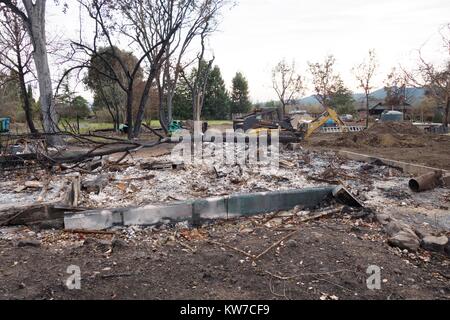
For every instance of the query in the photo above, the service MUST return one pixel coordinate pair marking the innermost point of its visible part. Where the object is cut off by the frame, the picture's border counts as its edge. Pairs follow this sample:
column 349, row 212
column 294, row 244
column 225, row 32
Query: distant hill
column 416, row 95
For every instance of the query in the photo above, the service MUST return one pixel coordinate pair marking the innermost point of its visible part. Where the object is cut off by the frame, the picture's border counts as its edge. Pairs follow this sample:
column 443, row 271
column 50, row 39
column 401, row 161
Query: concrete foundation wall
column 199, row 210
column 410, row 168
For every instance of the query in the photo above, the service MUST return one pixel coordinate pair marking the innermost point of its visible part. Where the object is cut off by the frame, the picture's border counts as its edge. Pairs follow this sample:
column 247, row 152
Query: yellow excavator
column 262, row 120
column 307, row 129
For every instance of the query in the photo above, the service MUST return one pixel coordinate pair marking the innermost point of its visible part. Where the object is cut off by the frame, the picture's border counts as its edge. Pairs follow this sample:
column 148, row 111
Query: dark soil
column 327, row 258
column 403, row 142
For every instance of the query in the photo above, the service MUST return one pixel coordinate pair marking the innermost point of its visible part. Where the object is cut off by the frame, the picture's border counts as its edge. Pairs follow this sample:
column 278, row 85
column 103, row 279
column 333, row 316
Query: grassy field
column 89, row 126
column 86, row 126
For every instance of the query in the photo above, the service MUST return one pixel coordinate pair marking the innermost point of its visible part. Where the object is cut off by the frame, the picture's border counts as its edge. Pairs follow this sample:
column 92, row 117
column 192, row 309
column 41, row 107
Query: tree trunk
column 446, row 113
column 169, row 116
column 26, row 103
column 36, row 16
column 161, row 114
column 23, row 90
column 130, row 112
column 196, row 107
column 367, row 111
column 142, row 104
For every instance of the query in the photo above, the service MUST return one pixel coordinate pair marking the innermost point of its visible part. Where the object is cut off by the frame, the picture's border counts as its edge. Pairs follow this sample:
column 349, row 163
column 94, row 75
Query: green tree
column 217, row 101
column 240, row 102
column 182, row 102
column 34, row 104
column 342, row 100
column 10, row 99
column 80, row 107
column 104, row 70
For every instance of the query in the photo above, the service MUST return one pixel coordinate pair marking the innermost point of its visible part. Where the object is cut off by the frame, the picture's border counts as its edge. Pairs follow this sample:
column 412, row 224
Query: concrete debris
column 435, row 244
column 34, row 184
column 405, row 240
column 162, row 166
column 395, row 226
column 198, row 211
column 421, row 233
column 383, row 218
column 96, row 185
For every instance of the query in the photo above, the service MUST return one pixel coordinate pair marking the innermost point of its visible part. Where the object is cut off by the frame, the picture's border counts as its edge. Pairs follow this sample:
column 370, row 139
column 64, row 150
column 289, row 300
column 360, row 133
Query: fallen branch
column 257, row 257
column 91, row 232
column 193, row 250
column 232, row 248
column 118, row 275
column 153, row 130
column 307, row 274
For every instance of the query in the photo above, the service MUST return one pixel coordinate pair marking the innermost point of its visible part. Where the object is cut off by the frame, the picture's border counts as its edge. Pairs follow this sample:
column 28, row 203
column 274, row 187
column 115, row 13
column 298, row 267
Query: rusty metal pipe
column 426, row 182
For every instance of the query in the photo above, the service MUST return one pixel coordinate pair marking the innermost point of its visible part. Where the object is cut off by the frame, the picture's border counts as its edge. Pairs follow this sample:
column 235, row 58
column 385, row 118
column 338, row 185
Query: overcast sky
column 255, row 34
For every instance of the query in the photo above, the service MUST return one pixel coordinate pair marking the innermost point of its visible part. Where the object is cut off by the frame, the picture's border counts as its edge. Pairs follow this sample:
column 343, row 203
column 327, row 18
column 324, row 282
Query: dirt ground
column 325, row 259
column 396, row 142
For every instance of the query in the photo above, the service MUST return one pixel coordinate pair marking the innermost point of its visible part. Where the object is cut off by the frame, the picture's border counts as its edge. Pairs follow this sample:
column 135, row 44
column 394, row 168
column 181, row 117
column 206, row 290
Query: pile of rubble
column 406, row 237
column 144, row 181
column 384, row 135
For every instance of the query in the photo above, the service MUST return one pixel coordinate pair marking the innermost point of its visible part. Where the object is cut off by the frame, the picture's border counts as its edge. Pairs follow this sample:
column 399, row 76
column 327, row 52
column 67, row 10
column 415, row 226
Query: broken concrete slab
column 395, row 226
column 265, row 202
column 199, row 210
column 383, row 218
column 151, row 215
column 434, row 244
column 212, row 208
column 92, row 220
column 405, row 240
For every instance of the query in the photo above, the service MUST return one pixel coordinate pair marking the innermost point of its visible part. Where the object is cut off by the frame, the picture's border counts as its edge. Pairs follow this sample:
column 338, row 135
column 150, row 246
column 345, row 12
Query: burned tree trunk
column 26, row 102
column 447, row 113
column 36, row 28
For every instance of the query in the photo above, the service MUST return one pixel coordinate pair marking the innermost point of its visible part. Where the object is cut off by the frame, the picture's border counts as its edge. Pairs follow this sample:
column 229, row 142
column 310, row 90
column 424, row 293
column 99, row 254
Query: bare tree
column 396, row 89
column 197, row 85
column 153, row 25
column 364, row 74
column 16, row 57
column 202, row 15
column 435, row 78
column 287, row 83
column 135, row 20
column 33, row 18
column 325, row 81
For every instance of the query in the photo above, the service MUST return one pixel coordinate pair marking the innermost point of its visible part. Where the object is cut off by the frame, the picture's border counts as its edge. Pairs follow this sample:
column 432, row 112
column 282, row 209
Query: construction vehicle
column 265, row 119
column 307, row 129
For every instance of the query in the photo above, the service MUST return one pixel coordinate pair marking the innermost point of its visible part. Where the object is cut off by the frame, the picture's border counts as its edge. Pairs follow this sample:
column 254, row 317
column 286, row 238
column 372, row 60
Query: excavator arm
column 330, row 113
